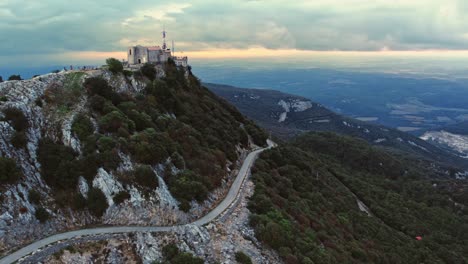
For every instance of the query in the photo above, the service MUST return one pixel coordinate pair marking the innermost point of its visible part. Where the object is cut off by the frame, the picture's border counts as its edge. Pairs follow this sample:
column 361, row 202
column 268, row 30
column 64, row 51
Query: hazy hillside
column 287, row 115
column 95, row 147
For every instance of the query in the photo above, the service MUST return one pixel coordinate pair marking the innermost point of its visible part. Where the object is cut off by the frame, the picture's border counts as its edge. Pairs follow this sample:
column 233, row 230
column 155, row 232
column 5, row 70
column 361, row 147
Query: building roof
column 154, row 48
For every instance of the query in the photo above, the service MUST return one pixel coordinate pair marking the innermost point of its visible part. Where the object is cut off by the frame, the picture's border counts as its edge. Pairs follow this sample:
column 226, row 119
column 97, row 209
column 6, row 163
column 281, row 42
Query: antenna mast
column 164, row 38
column 173, row 48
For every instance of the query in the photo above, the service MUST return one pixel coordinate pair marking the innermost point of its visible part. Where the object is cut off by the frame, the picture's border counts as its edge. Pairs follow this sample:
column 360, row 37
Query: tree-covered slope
column 144, row 147
column 311, row 198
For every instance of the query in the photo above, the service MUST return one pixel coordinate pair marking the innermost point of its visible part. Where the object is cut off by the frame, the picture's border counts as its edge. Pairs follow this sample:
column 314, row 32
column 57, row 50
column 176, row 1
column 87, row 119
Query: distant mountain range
column 410, row 102
column 286, row 116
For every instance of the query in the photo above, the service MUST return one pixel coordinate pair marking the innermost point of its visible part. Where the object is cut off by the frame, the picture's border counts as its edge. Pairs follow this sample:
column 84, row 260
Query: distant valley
column 287, row 115
column 408, row 102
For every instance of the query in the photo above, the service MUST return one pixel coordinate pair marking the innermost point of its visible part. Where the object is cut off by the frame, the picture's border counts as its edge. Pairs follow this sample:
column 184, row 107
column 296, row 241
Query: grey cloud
column 51, row 26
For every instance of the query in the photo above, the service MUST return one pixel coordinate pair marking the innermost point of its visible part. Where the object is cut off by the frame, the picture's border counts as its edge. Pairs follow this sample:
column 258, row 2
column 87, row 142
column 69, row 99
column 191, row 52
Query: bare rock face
column 18, row 224
column 217, row 242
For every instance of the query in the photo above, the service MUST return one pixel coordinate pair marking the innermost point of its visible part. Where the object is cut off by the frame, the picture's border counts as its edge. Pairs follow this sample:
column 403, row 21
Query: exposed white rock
column 322, row 121
column 456, row 142
column 301, row 106
column 135, row 196
column 283, row 117
column 126, row 163
column 347, row 124
column 83, row 186
column 107, row 184
column 148, row 248
column 461, row 175
column 363, row 208
column 294, row 105
column 165, row 197
column 380, row 140
column 67, row 136
column 69, row 257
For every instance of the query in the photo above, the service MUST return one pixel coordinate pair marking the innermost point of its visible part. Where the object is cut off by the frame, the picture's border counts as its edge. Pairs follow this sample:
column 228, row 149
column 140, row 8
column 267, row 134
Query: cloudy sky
column 51, row 31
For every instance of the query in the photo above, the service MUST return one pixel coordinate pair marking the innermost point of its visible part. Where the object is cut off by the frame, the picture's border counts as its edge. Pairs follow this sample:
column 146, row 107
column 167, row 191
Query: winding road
column 212, row 215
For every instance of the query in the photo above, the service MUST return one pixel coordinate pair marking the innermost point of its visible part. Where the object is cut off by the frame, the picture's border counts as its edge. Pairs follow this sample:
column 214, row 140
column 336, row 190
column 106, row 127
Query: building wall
column 153, row 56
column 181, row 61
column 137, row 55
column 165, row 55
column 140, row 55
column 131, row 55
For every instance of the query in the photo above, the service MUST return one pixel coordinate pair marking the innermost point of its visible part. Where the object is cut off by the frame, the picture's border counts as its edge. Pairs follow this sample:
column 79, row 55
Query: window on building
column 130, row 52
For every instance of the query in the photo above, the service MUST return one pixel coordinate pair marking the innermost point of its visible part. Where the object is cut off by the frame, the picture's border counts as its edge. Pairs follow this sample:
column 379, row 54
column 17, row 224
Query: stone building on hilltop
column 137, row 55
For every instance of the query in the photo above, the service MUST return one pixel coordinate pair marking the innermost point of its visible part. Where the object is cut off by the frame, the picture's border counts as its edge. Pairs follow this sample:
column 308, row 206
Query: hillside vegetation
column 305, row 207
column 174, row 118
column 102, row 146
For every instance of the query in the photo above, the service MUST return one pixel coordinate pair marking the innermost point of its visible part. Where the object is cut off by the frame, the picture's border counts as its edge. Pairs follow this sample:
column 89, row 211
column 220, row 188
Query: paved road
column 228, row 200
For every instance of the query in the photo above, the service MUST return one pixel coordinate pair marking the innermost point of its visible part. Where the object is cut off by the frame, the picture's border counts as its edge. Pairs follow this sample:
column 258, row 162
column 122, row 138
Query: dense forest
column 305, row 205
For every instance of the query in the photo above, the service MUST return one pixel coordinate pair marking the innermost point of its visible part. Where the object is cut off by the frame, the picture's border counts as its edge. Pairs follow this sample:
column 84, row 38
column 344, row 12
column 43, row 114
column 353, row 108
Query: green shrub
column 145, row 177
column 82, row 126
column 96, row 103
column 19, row 139
column 114, row 65
column 187, row 186
column 34, row 196
column 106, row 144
column 109, row 160
column 42, row 215
column 111, row 122
column 259, row 136
column 58, row 168
column 121, row 197
column 16, row 118
column 127, row 106
column 97, row 202
column 3, row 99
column 149, row 147
column 170, row 251
column 79, row 202
column 98, row 86
column 109, row 107
column 173, row 255
column 14, row 77
column 178, row 160
column 158, row 88
column 243, row 258
column 38, row 102
column 9, row 171
column 149, row 71
column 142, row 121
